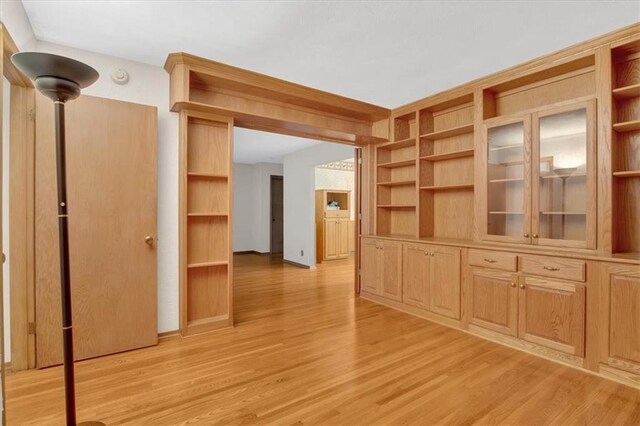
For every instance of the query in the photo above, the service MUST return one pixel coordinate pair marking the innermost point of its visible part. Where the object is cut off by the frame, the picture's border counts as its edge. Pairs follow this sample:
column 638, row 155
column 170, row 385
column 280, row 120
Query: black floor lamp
column 60, row 79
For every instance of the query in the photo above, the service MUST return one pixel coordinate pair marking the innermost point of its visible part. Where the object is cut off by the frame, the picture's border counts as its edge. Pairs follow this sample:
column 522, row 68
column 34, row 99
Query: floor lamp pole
column 60, row 79
column 65, row 278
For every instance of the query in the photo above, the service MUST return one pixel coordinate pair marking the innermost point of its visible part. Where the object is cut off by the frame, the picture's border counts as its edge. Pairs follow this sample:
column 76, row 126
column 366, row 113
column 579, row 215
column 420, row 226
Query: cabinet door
column 495, row 301
column 506, row 180
column 391, row 270
column 331, row 238
column 563, row 176
column 415, row 275
column 551, row 314
column 444, row 282
column 343, row 238
column 624, row 338
column 369, row 266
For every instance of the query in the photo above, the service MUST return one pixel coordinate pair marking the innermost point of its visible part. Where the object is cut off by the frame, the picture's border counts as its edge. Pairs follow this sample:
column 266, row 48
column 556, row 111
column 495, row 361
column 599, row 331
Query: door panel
column 624, row 341
column 444, row 283
column 392, row 270
column 495, row 301
column 111, row 176
column 331, row 238
column 370, row 273
column 415, row 284
column 343, row 238
column 552, row 314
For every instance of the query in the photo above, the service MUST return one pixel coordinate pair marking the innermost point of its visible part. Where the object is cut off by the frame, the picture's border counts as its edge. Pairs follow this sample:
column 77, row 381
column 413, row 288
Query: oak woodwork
column 494, row 297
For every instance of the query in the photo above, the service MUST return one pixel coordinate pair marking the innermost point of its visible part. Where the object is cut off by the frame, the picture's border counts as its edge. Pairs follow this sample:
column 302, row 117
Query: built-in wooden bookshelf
column 625, row 146
column 205, row 284
column 446, row 169
column 396, row 176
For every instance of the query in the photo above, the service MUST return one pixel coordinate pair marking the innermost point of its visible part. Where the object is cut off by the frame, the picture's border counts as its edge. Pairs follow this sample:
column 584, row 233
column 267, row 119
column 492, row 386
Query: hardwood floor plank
column 305, row 350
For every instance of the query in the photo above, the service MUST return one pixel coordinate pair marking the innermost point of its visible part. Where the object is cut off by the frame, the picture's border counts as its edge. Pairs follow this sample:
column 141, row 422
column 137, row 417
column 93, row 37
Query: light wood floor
column 305, row 350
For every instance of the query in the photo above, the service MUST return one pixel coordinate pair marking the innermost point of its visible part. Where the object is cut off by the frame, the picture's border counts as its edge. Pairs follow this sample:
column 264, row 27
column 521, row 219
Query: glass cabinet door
column 562, row 177
column 507, row 181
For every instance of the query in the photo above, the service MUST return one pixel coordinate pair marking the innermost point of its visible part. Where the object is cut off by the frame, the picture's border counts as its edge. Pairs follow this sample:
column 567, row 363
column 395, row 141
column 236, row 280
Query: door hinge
column 31, row 328
column 360, row 216
column 359, row 160
column 359, row 272
column 32, row 114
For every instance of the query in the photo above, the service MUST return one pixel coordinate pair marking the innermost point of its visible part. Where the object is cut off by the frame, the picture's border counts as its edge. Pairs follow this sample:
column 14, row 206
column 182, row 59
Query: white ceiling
column 250, row 146
column 385, row 52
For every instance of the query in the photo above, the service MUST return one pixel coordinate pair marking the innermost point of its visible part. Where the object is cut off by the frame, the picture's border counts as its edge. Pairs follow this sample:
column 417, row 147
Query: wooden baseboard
column 299, row 265
column 399, row 306
column 168, row 335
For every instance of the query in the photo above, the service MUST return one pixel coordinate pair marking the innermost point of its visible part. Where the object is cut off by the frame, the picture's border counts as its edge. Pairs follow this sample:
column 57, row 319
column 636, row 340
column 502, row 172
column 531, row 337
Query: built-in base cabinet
column 381, row 268
column 429, row 276
column 620, row 342
column 543, row 311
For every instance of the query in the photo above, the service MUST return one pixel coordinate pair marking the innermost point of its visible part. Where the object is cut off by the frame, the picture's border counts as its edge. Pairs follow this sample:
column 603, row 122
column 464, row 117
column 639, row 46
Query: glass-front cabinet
column 540, row 177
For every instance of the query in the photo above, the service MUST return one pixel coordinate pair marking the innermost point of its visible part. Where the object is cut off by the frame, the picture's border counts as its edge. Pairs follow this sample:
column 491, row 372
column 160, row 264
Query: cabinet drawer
column 567, row 269
column 336, row 213
column 492, row 259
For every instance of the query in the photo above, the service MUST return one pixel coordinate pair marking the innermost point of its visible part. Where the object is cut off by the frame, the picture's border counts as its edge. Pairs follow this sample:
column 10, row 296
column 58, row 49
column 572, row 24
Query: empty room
column 320, row 212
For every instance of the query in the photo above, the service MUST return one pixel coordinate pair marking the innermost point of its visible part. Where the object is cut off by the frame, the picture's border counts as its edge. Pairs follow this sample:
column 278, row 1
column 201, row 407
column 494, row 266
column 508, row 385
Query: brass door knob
column 513, row 285
column 522, row 286
column 148, row 240
column 535, row 235
column 525, row 235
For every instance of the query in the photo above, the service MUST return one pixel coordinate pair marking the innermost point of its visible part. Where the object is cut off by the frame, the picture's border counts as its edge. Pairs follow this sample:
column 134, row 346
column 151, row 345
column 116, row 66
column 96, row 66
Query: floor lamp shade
column 60, row 79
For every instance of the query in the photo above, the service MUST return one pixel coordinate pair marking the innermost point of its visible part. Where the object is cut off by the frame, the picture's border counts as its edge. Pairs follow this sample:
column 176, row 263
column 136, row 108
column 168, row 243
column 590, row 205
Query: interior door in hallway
column 111, row 184
column 277, row 216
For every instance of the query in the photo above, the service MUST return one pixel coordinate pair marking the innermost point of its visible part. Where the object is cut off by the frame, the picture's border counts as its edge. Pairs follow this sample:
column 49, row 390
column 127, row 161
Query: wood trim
column 22, row 229
column 299, row 265
column 604, row 135
column 9, row 71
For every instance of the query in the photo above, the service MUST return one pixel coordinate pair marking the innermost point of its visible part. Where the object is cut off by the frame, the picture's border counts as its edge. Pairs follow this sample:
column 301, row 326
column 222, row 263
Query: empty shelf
column 394, row 164
column 399, row 144
column 447, row 187
column 631, row 91
column 449, row 155
column 447, row 133
column 207, row 175
column 207, row 264
column 399, row 183
column 627, row 126
column 627, row 174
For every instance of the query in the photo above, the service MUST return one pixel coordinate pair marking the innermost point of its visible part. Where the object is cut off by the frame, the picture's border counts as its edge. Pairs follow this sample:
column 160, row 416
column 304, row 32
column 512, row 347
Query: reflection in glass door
column 507, row 181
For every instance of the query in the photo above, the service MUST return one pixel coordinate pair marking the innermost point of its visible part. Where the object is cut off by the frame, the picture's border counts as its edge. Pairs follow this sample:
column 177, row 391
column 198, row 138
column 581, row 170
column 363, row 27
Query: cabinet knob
column 550, row 268
column 148, row 240
column 535, row 235
column 426, row 253
column 513, row 285
column 522, row 286
column 432, row 254
column 489, row 260
column 525, row 235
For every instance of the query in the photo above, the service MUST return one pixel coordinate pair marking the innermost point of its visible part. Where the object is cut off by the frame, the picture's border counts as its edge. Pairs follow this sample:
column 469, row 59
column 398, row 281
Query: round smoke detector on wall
column 120, row 76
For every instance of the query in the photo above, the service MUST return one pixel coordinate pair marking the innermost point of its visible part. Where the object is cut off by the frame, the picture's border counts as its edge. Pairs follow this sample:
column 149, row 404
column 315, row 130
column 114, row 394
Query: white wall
column 252, row 204
column 338, row 179
column 299, row 198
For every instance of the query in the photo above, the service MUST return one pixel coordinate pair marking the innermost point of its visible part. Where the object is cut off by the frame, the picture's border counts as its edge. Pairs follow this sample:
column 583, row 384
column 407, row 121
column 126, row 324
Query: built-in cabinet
column 333, row 224
column 381, row 268
column 539, row 177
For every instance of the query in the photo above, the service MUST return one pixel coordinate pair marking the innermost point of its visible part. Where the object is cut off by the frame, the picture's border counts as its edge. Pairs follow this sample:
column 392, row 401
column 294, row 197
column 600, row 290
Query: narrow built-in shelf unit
column 446, row 169
column 205, row 291
column 625, row 146
column 396, row 174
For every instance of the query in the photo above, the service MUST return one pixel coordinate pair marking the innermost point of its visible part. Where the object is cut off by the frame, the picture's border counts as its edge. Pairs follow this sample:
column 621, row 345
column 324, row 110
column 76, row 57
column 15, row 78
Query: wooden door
column 391, row 270
column 370, row 266
column 444, row 282
column 331, row 234
column 111, row 179
column 551, row 314
column 495, row 301
column 343, row 237
column 415, row 275
column 277, row 215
